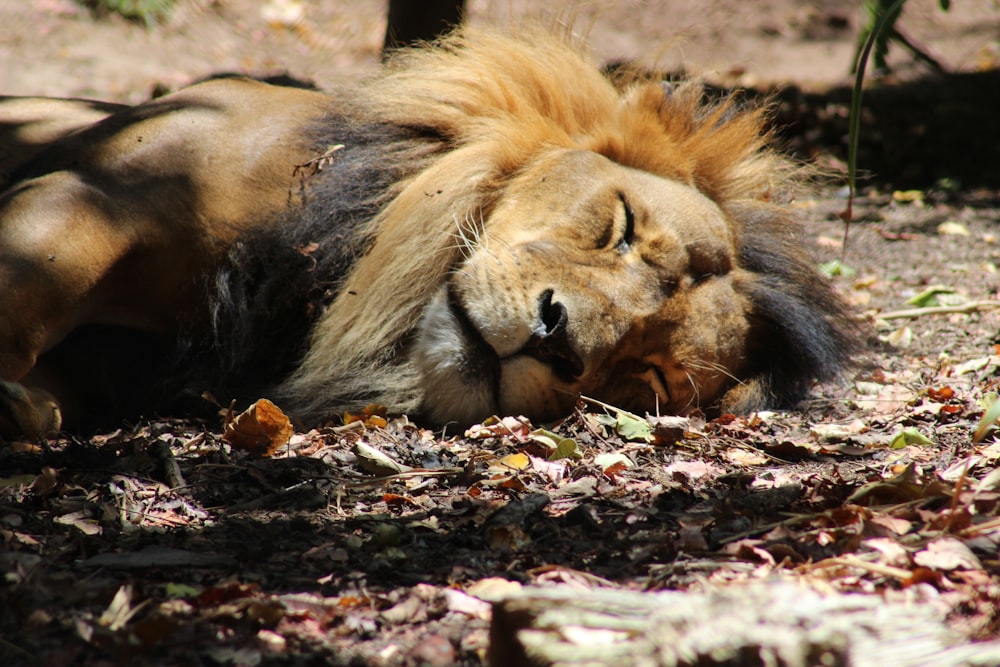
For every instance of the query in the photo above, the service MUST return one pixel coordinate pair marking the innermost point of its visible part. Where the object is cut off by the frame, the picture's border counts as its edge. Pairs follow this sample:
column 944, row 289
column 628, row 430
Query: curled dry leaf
column 262, row 429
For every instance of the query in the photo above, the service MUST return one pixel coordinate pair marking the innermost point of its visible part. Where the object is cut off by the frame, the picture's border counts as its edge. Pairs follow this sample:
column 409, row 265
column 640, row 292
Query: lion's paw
column 27, row 413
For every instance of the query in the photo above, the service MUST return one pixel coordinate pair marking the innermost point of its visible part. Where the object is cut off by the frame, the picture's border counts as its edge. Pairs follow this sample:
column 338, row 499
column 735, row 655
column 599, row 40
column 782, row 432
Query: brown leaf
column 262, row 429
column 947, row 553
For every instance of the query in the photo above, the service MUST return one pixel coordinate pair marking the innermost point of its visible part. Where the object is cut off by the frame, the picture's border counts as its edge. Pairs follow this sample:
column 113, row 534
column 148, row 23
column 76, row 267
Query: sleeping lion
column 490, row 226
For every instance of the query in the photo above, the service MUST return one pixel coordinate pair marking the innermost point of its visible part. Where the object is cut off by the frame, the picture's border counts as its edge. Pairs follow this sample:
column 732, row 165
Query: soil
column 160, row 543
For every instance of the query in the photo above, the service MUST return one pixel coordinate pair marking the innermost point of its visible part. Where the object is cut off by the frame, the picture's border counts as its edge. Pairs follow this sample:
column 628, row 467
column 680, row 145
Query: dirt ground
column 160, row 544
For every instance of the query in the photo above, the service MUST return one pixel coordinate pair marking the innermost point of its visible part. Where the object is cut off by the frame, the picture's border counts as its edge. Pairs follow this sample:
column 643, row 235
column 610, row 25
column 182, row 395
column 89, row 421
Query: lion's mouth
column 479, row 360
column 460, row 371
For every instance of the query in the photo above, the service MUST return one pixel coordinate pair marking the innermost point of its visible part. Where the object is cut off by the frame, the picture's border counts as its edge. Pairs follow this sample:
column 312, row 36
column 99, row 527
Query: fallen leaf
column 941, row 395
column 377, row 462
column 557, row 446
column 509, row 463
column 988, row 419
column 890, row 551
column 494, row 427
column 468, row 604
column 908, row 196
column 493, row 589
column 120, row 611
column 900, row 338
column 631, row 427
column 261, row 429
column 896, row 525
column 373, row 416
column 973, row 365
column 744, row 457
column 835, row 268
column 952, row 228
column 693, row 469
column 82, row 521
column 909, row 436
column 46, row 482
column 947, row 553
column 553, row 470
column 613, row 462
column 830, row 433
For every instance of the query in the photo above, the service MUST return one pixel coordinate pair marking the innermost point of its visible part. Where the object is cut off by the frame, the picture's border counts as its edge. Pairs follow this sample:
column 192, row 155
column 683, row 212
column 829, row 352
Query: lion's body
column 491, row 226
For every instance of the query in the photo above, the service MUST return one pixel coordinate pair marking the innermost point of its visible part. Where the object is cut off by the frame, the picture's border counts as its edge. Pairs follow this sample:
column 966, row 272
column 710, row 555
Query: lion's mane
column 328, row 299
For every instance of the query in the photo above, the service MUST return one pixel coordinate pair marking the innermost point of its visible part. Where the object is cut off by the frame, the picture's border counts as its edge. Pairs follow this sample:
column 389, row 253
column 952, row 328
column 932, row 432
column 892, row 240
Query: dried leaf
column 518, row 427
column 693, row 469
column 376, row 462
column 46, row 482
column 972, row 365
column 493, row 589
column 745, row 457
column 900, row 338
column 262, row 429
column 373, row 416
column 82, row 521
column 891, row 552
column 120, row 611
column 613, row 462
column 952, row 228
column 463, row 603
column 512, row 462
column 908, row 196
column 947, row 553
column 554, row 471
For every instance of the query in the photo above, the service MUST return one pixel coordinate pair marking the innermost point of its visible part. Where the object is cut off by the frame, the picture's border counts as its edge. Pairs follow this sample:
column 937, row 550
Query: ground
column 375, row 543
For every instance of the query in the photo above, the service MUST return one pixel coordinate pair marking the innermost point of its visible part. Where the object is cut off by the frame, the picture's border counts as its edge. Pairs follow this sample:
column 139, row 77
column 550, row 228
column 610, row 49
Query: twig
column 853, row 561
column 971, row 307
column 171, row 470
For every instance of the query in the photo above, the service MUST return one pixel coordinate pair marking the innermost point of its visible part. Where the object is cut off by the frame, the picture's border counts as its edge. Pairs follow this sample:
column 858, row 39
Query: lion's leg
column 57, row 241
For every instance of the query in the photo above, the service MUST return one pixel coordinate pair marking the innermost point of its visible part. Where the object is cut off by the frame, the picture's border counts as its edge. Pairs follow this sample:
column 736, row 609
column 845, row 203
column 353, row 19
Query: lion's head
column 588, row 277
column 545, row 232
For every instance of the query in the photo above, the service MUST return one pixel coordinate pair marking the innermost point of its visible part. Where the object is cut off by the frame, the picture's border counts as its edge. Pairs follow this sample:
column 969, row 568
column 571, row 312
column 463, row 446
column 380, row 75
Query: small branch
column 971, row 307
column 853, row 561
column 919, row 52
column 162, row 453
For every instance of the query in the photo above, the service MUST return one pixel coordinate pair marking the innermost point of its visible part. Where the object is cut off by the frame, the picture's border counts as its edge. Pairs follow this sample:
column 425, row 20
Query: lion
column 492, row 225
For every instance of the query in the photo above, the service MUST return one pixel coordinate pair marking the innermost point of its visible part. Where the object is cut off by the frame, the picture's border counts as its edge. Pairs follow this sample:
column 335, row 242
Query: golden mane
column 497, row 101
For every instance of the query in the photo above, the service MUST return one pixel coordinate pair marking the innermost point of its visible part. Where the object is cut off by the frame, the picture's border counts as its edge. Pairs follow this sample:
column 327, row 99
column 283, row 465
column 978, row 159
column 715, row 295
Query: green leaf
column 836, row 268
column 909, row 436
column 558, row 446
column 929, row 297
column 632, row 427
column 179, row 591
column 989, row 418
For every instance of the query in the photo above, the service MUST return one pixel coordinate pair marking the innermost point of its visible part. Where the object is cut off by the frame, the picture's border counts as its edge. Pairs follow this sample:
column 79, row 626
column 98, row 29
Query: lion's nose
column 549, row 342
